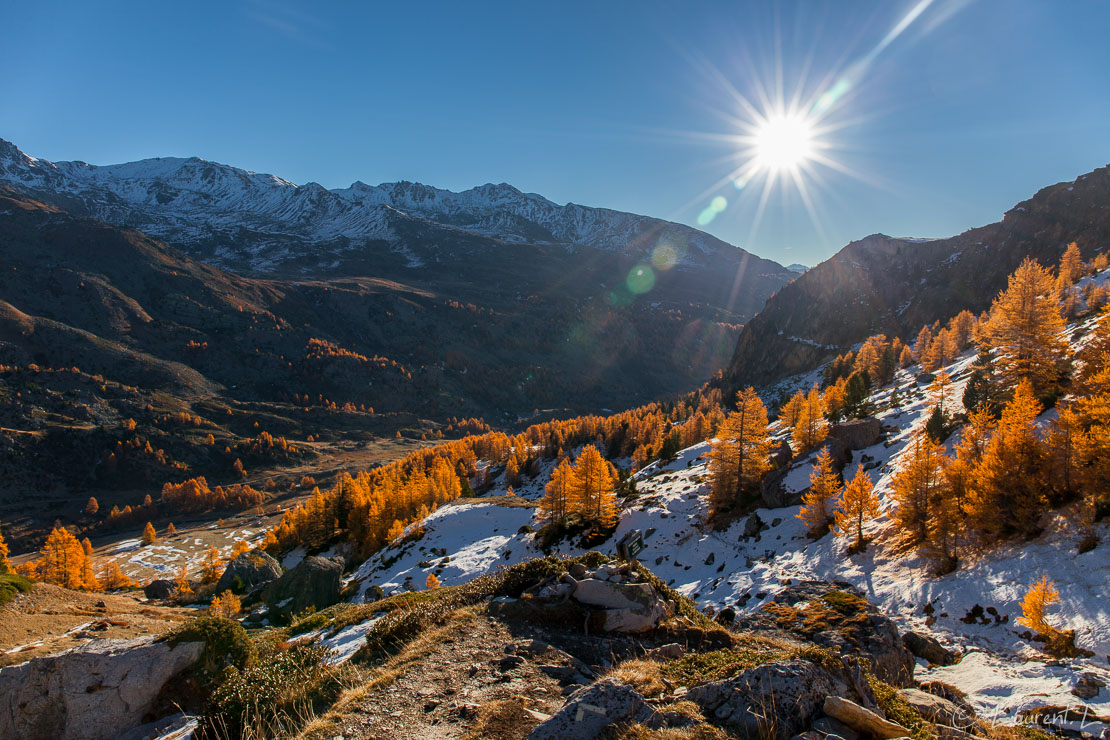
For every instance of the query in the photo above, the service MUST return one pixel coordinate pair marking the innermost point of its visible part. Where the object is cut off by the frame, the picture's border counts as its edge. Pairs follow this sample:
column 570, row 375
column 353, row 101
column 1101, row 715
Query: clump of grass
column 698, row 668
column 308, row 623
column 845, row 603
column 277, row 694
column 898, row 710
column 12, row 585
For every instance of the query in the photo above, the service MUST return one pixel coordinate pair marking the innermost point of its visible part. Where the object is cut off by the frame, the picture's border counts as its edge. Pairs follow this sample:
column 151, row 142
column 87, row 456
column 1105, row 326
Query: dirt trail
column 457, row 683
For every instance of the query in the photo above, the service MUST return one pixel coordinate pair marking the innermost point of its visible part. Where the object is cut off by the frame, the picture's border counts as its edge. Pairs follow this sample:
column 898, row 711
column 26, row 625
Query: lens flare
column 641, row 279
column 710, row 212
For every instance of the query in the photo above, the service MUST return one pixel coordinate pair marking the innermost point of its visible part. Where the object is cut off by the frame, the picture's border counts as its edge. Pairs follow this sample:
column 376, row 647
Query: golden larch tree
column 212, row 567
column 91, row 507
column 1007, row 495
column 556, row 503
column 1034, row 606
column 817, row 502
column 592, row 487
column 1025, row 327
column 150, row 536
column 858, row 504
column 226, row 605
column 740, row 456
column 916, row 486
column 113, row 578
column 5, row 564
column 811, row 427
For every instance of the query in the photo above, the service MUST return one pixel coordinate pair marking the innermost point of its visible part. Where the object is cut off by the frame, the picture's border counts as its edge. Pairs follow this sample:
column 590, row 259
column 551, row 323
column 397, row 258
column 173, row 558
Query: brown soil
column 50, row 619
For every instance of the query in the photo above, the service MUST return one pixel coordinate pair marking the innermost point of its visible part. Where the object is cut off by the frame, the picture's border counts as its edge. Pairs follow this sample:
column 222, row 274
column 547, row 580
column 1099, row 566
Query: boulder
column 782, row 455
column 589, row 710
column 927, row 648
column 862, row 720
column 1088, row 686
column 858, row 433
column 626, row 607
column 774, row 493
column 595, row 592
column 252, row 569
column 937, row 709
column 313, row 582
column 95, row 692
column 774, row 699
column 843, row 622
column 160, row 589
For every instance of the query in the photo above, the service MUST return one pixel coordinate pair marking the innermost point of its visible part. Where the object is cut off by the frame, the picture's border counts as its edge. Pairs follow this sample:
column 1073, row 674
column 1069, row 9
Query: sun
column 783, row 143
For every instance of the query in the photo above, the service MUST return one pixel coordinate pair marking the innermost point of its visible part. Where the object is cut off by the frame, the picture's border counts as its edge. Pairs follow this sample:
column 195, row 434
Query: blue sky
column 627, row 105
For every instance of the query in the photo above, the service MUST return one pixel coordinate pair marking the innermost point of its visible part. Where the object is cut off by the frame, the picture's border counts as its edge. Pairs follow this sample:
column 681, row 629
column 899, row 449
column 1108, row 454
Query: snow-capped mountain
column 230, row 214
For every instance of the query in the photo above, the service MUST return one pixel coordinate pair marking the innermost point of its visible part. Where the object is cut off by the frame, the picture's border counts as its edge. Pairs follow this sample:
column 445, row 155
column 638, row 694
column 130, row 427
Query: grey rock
column 589, row 710
column 834, row 728
column 783, row 697
column 1088, row 686
column 254, row 568
column 936, row 709
column 753, row 525
column 314, row 582
column 626, row 607
column 95, row 692
column 858, row 434
column 159, row 589
column 862, row 720
column 928, row 648
column 577, row 570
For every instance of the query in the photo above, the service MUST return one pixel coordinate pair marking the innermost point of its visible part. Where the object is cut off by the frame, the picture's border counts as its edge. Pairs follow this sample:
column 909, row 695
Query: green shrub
column 12, row 584
column 226, row 644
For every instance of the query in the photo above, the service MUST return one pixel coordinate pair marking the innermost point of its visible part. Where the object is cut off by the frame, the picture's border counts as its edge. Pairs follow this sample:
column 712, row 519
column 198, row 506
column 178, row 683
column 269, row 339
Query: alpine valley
column 278, row 461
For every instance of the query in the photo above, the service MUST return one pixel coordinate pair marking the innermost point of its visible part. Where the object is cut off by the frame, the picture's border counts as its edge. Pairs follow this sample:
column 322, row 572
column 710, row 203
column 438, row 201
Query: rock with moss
column 249, row 571
column 836, row 616
column 314, row 583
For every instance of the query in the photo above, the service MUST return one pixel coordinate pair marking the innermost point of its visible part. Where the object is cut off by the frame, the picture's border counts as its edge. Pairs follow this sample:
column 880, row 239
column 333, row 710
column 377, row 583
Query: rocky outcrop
column 617, row 599
column 249, row 571
column 160, row 589
column 314, row 582
column 858, row 433
column 928, row 648
column 781, row 699
column 588, row 711
column 93, row 693
column 862, row 720
column 835, row 615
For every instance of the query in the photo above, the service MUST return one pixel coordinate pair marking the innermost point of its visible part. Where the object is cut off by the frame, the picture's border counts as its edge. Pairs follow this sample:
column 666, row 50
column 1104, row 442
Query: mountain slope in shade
column 261, row 224
column 893, row 286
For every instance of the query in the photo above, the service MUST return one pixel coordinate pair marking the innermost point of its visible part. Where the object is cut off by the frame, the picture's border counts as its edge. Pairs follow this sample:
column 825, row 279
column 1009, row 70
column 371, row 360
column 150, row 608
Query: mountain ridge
column 194, row 203
column 838, row 303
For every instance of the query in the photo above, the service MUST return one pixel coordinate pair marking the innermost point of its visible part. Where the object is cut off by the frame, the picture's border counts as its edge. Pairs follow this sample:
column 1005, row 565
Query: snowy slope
column 1002, row 672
